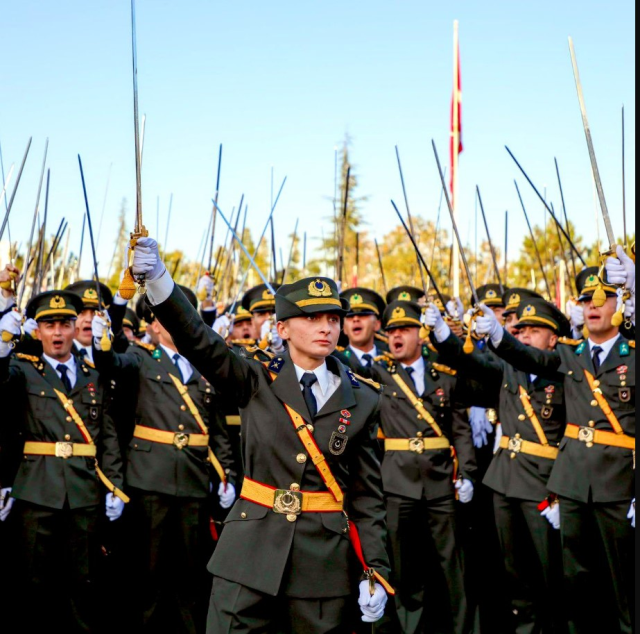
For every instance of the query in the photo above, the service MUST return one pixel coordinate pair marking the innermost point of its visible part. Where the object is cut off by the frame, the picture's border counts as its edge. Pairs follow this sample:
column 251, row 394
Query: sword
column 491, row 247
column 15, row 189
column 128, row 285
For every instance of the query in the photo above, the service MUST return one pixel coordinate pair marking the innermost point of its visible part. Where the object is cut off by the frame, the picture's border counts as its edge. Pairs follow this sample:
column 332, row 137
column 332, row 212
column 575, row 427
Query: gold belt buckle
column 515, row 444
column 416, row 445
column 287, row 502
column 181, row 440
column 587, row 435
column 64, row 450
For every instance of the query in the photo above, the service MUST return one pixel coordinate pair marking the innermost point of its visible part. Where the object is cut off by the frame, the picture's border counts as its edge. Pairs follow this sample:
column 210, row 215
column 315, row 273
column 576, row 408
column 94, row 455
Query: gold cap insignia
column 90, row 293
column 267, row 295
column 399, row 313
column 356, row 300
column 491, row 294
column 319, row 289
column 57, row 303
column 515, row 299
column 529, row 311
column 242, row 311
column 404, row 297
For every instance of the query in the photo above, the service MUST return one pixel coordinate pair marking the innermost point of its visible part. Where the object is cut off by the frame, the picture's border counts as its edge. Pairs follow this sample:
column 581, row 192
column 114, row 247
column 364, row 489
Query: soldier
column 512, row 299
column 406, row 294
column 533, row 419
column 8, row 277
column 260, row 302
column 69, row 451
column 429, row 456
column 594, row 472
column 285, row 561
column 179, row 436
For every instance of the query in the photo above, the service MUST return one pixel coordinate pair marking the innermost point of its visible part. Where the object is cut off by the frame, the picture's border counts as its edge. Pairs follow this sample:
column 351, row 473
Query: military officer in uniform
column 261, row 303
column 285, row 561
column 179, row 437
column 428, row 458
column 533, row 420
column 512, row 299
column 593, row 474
column 69, row 454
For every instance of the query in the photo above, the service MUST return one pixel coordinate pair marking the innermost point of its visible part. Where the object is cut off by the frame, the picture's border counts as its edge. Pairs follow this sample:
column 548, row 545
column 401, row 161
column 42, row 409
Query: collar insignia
column 581, row 347
column 157, row 354
column 624, row 349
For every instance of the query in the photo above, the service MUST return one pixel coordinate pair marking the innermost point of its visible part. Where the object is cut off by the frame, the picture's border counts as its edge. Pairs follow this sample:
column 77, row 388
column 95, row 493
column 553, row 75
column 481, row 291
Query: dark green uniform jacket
column 312, row 557
column 46, row 480
column 428, row 475
column 160, row 468
column 600, row 473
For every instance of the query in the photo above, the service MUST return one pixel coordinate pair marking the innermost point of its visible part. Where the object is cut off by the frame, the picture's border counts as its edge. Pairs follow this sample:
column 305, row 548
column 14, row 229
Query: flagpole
column 454, row 155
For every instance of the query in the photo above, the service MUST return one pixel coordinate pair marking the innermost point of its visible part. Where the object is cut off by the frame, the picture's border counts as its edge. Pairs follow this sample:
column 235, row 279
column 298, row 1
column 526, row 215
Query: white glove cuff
column 442, row 331
column 159, row 291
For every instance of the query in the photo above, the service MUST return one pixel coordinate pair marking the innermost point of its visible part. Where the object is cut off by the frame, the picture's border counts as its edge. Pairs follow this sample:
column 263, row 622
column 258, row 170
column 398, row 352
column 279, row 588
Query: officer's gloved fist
column 11, row 323
column 114, row 507
column 465, row 490
column 576, row 316
column 455, row 308
column 434, row 320
column 269, row 328
column 146, row 260
column 632, row 513
column 372, row 606
column 480, row 426
column 621, row 270
column 205, row 288
column 552, row 514
column 30, row 326
column 222, row 325
column 6, row 503
column 99, row 326
column 227, row 495
column 487, row 325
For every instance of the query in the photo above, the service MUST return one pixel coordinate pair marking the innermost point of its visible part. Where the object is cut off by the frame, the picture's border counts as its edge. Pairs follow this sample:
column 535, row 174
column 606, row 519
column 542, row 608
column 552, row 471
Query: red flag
column 456, row 120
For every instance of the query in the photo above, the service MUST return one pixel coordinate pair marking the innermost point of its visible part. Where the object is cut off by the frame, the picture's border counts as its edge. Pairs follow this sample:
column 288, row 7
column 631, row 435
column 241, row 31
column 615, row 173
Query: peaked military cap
column 86, row 289
column 402, row 315
column 364, row 301
column 405, row 294
column 259, row 299
column 309, row 296
column 131, row 321
column 490, row 295
column 55, row 306
column 541, row 313
column 588, row 282
column 513, row 297
column 240, row 314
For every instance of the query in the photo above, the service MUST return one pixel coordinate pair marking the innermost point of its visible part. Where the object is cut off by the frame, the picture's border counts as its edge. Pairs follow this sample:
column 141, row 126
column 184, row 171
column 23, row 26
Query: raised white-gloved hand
column 223, row 325
column 6, row 503
column 630, row 309
column 496, row 444
column 372, row 606
column 621, row 270
column 227, row 495
column 487, row 325
column 114, row 507
column 205, row 288
column 434, row 320
column 99, row 326
column 146, row 260
column 480, row 426
column 275, row 341
column 632, row 513
column 552, row 515
column 465, row 490
column 576, row 316
column 455, row 309
column 30, row 326
column 11, row 323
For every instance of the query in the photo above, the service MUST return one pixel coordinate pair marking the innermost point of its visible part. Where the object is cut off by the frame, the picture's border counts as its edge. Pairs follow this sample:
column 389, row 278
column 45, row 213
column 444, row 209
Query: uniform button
column 183, row 408
column 345, row 530
column 596, row 383
column 208, row 391
column 594, row 403
column 42, row 393
column 570, row 372
column 419, row 434
column 623, row 383
column 522, row 417
column 135, row 446
column 311, row 428
column 394, row 394
column 67, row 437
column 181, row 427
column 69, row 419
column 292, row 518
column 623, row 377
column 243, row 516
column 301, row 458
column 419, row 417
column 592, row 423
column 506, row 385
column 93, row 402
column 294, row 487
column 158, row 377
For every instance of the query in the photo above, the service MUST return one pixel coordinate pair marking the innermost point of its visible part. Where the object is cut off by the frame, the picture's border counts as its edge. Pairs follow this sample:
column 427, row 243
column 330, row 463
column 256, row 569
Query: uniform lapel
column 404, row 375
column 82, row 378
column 287, row 388
column 52, row 378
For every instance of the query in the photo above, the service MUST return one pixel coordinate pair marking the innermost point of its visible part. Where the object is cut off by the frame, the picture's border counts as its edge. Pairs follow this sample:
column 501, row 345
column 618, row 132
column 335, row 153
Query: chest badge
column 625, row 394
column 623, row 369
column 338, row 443
column 547, row 412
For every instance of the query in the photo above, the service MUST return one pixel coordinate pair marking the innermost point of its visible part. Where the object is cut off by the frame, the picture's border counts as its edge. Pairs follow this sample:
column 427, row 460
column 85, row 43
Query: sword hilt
column 127, row 288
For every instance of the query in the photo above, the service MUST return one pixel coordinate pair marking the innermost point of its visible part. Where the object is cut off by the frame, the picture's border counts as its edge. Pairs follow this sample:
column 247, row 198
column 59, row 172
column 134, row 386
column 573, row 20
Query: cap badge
column 399, row 313
column 57, row 302
column 319, row 288
column 356, row 300
column 404, row 297
column 491, row 294
column 267, row 295
column 529, row 311
column 90, row 293
column 515, row 299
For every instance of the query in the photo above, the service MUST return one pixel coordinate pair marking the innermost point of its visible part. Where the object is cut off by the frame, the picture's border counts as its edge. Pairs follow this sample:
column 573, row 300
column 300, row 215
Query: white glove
column 552, row 515
column 30, row 326
column 480, row 426
column 223, row 326
column 275, row 341
column 631, row 515
column 621, row 270
column 455, row 308
column 146, row 260
column 465, row 490
column 227, row 495
column 10, row 323
column 6, row 503
column 630, row 309
column 372, row 607
column 496, row 444
column 488, row 325
column 99, row 326
column 114, row 507
column 576, row 315
column 205, row 288
column 433, row 319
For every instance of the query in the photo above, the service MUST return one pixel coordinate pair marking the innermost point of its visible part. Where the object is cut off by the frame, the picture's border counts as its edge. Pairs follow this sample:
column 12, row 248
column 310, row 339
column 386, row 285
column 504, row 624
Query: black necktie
column 82, row 353
column 410, row 372
column 596, row 358
column 64, row 377
column 176, row 358
column 367, row 360
column 308, row 380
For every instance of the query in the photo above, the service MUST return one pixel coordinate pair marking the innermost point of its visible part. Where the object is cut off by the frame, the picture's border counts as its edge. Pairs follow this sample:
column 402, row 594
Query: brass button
column 594, row 403
column 522, row 417
column 135, row 446
column 42, row 393
column 93, row 403
column 592, row 423
column 623, row 377
column 596, row 383
column 394, row 394
column 311, row 428
column 183, row 408
column 419, row 434
column 294, row 487
column 506, row 385
column 623, row 383
column 208, row 391
column 69, row 419
column 158, row 377
column 67, row 437
column 419, row 417
column 181, row 427
column 243, row 516
column 301, row 458
column 512, row 456
column 518, row 436
column 570, row 372
column 292, row 518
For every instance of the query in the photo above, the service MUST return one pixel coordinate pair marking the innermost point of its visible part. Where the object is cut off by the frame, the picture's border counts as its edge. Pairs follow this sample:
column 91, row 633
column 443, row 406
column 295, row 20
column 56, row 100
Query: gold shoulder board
column 147, row 346
column 632, row 344
column 445, row 369
column 27, row 357
column 380, row 337
column 244, row 342
column 369, row 382
column 570, row 342
column 340, row 349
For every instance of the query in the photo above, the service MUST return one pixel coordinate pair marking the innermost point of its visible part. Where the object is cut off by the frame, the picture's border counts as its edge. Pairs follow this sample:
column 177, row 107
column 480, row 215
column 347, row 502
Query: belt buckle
column 287, row 502
column 181, row 440
column 515, row 445
column 416, row 445
column 586, row 435
column 64, row 450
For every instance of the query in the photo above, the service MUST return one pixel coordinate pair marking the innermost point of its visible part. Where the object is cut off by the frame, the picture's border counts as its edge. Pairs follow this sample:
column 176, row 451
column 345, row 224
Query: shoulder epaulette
column 340, row 348
column 147, row 346
column 244, row 342
column 570, row 342
column 632, row 343
column 380, row 337
column 369, row 382
column 432, row 347
column 445, row 369
column 27, row 357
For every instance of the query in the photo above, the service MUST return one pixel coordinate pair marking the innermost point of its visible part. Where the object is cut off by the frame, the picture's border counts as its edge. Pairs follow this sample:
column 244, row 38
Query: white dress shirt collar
column 607, row 347
column 418, row 374
column 373, row 353
column 185, row 366
column 322, row 374
column 70, row 365
column 87, row 349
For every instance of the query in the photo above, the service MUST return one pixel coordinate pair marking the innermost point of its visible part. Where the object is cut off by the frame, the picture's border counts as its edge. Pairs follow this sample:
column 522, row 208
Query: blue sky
column 280, row 83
